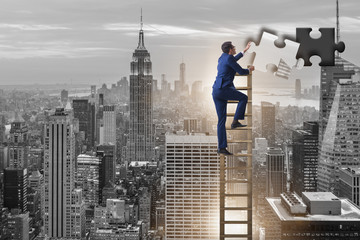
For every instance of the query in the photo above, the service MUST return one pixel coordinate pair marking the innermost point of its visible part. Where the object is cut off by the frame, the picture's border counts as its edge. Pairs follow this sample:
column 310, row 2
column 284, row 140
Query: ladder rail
column 248, row 181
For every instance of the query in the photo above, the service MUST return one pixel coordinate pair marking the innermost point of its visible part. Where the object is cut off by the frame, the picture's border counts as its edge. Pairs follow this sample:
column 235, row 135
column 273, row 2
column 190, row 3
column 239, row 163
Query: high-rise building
column 298, row 89
column 15, row 188
column 87, row 178
column 305, row 158
column 59, row 171
column 192, row 187
column 141, row 141
column 268, row 122
column 18, row 145
column 338, row 127
column 77, row 214
column 108, row 129
column 85, row 113
column 349, row 183
column 315, row 216
column 275, row 172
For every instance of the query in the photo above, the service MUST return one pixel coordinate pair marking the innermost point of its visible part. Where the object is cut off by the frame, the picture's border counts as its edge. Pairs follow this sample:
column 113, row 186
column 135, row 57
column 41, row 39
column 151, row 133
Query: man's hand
column 252, row 68
column 247, row 47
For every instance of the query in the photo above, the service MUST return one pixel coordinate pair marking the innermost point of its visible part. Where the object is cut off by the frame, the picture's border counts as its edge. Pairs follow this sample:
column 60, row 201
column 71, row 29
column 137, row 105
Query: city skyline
column 60, row 42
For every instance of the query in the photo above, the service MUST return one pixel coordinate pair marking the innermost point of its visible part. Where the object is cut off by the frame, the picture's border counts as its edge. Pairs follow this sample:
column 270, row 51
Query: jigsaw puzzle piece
column 269, row 56
column 324, row 47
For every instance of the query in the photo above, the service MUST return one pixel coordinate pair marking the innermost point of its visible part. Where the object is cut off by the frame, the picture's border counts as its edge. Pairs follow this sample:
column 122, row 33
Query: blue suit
column 224, row 90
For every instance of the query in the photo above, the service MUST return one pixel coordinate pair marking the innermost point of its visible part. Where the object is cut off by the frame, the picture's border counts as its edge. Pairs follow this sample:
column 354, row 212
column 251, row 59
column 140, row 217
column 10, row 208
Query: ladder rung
column 238, row 168
column 239, row 128
column 234, row 222
column 236, row 208
column 235, row 181
column 243, row 88
column 242, row 155
column 238, row 155
column 236, row 101
column 239, row 141
column 235, row 195
column 236, row 236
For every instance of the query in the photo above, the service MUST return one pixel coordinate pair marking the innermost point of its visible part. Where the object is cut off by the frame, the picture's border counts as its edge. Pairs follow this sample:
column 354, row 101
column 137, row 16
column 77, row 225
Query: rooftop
column 320, row 196
column 349, row 212
column 352, row 169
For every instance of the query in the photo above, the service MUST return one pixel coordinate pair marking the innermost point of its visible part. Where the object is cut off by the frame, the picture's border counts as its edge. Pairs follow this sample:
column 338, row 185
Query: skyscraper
column 275, row 175
column 268, row 122
column 305, row 158
column 339, row 125
column 59, row 170
column 192, row 187
column 18, row 145
column 141, row 142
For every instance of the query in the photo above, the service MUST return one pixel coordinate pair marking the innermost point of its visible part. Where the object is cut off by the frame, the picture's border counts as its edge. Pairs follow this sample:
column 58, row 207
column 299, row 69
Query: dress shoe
column 237, row 125
column 224, row 151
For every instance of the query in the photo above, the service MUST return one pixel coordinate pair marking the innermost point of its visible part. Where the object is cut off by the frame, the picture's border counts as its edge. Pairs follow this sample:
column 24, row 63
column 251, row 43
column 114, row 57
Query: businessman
column 224, row 90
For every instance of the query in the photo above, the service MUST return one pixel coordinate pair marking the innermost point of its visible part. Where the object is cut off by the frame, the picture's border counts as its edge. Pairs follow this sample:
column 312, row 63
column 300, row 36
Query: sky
column 92, row 41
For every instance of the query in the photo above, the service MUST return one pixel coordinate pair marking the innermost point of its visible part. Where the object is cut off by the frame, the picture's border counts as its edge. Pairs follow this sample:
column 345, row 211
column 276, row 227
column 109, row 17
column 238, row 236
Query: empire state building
column 141, row 141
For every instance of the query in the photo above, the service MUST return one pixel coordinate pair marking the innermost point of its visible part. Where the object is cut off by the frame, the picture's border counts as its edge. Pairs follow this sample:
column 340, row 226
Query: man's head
column 228, row 48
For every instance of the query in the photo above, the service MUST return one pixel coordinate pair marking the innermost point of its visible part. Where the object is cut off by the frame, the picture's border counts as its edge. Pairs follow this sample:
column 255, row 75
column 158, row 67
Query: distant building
column 191, row 125
column 64, row 96
column 192, row 187
column 268, row 122
column 305, row 158
column 315, row 216
column 298, row 89
column 275, row 175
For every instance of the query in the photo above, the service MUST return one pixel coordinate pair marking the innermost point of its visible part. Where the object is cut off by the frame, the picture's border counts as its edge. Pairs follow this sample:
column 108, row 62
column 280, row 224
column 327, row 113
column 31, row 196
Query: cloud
column 32, row 27
column 51, row 51
column 169, row 30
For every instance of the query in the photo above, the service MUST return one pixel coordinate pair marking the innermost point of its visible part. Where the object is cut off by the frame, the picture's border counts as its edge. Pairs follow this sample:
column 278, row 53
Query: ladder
column 236, row 181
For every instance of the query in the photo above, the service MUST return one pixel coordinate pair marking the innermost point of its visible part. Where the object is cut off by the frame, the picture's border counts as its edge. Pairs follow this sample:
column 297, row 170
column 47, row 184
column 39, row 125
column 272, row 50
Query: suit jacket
column 227, row 67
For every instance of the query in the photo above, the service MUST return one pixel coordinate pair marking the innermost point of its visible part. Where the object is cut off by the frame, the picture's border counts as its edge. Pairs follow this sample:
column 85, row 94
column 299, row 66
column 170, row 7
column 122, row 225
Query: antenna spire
column 337, row 26
column 141, row 21
column 141, row 44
